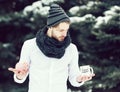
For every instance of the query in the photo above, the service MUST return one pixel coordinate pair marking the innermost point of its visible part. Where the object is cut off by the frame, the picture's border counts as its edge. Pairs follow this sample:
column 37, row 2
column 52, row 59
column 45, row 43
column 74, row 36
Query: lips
column 62, row 37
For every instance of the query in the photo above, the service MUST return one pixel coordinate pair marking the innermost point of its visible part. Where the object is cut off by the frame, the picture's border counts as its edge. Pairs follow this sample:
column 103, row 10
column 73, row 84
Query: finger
column 93, row 75
column 22, row 66
column 85, row 78
column 89, row 78
column 12, row 69
column 26, row 64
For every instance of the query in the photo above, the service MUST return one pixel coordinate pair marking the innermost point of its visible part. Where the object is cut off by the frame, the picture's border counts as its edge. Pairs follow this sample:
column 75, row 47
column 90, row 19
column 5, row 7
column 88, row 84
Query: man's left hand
column 84, row 78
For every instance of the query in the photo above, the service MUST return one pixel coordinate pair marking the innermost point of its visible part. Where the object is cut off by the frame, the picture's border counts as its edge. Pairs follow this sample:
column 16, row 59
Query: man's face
column 59, row 32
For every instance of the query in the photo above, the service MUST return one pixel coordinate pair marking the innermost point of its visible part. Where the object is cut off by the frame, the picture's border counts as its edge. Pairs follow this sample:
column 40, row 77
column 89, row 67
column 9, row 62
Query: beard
column 60, row 38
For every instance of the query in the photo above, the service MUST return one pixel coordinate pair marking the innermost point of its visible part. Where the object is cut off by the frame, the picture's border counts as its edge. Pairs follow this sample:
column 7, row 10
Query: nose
column 64, row 33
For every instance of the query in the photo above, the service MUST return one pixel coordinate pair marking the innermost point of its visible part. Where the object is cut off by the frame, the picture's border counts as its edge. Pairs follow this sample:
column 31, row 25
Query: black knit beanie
column 56, row 15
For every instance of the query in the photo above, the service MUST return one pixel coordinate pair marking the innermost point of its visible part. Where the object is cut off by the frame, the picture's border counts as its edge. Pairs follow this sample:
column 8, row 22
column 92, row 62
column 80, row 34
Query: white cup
column 86, row 70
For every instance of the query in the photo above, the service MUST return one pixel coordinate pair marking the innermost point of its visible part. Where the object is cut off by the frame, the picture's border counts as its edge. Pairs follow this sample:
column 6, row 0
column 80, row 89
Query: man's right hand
column 21, row 69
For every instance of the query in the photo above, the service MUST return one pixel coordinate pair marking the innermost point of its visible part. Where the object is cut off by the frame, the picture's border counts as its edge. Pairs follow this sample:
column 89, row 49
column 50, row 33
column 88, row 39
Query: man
column 50, row 58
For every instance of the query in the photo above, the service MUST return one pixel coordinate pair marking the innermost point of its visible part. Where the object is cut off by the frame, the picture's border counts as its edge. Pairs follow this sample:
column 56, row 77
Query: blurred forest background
column 95, row 29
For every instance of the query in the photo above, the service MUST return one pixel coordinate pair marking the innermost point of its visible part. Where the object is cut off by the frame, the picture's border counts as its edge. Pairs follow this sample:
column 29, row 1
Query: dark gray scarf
column 50, row 46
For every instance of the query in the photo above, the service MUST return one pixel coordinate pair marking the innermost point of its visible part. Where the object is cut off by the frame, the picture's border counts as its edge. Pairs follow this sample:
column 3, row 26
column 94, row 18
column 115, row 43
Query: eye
column 62, row 30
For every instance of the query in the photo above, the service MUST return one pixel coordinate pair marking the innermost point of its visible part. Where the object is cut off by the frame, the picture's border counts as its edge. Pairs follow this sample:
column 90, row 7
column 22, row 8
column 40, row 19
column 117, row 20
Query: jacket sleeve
column 24, row 57
column 18, row 80
column 74, row 68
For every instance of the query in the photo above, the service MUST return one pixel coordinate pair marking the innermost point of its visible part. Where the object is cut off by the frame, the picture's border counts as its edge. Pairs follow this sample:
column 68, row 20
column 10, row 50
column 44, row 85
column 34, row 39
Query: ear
column 49, row 32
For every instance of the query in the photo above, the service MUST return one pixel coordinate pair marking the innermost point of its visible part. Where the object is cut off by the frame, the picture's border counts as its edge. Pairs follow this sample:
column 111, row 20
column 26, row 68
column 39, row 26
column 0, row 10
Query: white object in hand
column 86, row 70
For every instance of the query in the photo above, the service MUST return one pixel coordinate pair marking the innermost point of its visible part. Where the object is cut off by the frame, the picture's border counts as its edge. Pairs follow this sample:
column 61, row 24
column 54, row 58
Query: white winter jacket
column 49, row 74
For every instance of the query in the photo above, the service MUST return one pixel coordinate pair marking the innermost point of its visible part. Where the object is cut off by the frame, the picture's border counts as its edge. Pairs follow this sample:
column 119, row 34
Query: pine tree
column 98, row 40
